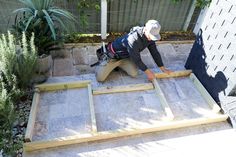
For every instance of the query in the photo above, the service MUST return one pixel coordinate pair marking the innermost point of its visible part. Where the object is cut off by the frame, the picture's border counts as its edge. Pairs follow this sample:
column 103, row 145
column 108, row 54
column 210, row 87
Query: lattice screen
column 213, row 57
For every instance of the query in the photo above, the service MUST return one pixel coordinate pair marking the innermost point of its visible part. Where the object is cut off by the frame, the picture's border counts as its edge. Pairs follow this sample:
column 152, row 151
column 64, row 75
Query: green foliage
column 26, row 61
column 199, row 3
column 84, row 5
column 46, row 21
column 7, row 118
column 203, row 3
column 17, row 62
column 17, row 65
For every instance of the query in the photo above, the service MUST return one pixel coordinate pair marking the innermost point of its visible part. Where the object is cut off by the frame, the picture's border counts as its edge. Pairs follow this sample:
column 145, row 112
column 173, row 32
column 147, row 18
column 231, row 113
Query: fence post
column 104, row 19
column 190, row 15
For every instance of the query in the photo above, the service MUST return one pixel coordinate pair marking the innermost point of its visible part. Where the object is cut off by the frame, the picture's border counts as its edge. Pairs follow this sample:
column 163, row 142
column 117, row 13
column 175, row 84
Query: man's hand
column 150, row 75
column 164, row 70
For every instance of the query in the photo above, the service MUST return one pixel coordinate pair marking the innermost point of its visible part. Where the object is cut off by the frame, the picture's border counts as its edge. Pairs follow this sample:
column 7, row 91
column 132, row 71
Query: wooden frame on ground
column 43, row 88
column 95, row 135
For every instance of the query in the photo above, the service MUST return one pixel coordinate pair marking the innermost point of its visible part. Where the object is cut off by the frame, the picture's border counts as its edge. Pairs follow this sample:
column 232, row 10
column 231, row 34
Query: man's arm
column 155, row 54
column 157, row 57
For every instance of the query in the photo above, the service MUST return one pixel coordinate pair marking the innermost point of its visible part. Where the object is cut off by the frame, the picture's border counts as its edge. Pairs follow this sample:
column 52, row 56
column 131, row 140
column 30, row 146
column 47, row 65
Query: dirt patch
column 166, row 36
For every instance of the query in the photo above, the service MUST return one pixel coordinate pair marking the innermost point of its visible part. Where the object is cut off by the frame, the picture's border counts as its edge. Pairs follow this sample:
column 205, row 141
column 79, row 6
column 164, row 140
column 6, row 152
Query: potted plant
column 48, row 24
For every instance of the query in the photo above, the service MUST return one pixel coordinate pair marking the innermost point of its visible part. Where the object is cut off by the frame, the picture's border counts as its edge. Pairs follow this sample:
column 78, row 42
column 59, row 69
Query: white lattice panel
column 218, row 25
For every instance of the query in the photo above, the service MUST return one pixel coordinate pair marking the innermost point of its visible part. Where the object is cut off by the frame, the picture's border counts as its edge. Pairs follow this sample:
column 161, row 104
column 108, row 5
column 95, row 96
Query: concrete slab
column 63, row 67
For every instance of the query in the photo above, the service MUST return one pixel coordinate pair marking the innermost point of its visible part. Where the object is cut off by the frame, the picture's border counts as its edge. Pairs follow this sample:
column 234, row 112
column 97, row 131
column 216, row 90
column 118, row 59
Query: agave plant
column 46, row 21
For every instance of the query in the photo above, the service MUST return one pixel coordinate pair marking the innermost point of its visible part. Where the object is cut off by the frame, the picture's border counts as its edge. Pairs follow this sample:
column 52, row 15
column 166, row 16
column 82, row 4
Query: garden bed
column 93, row 38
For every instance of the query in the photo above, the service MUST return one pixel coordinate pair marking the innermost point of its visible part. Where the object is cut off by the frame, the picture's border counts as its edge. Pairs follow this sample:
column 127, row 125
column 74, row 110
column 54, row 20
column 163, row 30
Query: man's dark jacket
column 130, row 45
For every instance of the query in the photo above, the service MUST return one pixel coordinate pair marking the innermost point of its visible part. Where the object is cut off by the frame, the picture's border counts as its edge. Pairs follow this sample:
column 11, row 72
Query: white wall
column 218, row 23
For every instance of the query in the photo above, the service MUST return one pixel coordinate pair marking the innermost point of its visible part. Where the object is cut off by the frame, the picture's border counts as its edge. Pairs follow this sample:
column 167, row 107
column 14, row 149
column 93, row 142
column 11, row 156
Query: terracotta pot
column 44, row 64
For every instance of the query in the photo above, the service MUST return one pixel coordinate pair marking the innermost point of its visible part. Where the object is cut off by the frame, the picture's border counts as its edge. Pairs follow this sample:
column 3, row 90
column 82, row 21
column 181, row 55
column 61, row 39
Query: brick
column 63, row 67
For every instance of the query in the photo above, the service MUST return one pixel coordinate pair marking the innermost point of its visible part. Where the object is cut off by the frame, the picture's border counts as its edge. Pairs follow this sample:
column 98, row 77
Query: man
column 124, row 52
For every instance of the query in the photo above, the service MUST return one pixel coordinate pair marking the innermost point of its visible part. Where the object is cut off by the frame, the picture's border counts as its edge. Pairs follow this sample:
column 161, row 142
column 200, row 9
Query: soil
column 165, row 36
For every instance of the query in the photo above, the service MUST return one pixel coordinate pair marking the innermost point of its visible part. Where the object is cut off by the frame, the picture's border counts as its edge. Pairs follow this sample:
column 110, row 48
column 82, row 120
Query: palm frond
column 27, row 10
column 50, row 23
column 28, row 3
column 28, row 22
column 64, row 14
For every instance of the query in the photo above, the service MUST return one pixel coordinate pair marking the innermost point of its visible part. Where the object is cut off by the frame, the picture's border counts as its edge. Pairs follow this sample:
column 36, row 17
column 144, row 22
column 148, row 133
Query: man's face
column 148, row 36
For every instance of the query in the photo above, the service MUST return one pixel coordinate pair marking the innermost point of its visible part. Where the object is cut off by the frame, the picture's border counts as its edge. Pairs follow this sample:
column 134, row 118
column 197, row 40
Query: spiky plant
column 45, row 20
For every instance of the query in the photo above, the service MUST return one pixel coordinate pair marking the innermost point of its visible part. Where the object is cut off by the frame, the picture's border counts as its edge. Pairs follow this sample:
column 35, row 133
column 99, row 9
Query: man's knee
column 100, row 76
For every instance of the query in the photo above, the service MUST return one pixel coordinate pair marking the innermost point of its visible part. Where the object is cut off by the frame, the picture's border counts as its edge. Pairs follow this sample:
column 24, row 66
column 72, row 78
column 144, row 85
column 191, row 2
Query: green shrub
column 17, row 62
column 46, row 21
column 7, row 118
column 17, row 65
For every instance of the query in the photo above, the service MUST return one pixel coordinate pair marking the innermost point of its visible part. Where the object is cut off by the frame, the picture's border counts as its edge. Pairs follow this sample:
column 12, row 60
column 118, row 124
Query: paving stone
column 84, row 55
column 63, row 67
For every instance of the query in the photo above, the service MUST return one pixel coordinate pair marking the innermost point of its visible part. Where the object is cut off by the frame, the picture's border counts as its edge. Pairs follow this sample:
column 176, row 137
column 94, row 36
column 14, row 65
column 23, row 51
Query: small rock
column 16, row 123
column 21, row 150
column 23, row 124
column 20, row 136
column 14, row 132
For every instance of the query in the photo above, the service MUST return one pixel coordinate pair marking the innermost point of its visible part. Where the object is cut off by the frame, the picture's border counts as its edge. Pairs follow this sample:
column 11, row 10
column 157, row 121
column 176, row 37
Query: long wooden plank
column 92, row 111
column 205, row 94
column 32, row 146
column 161, row 96
column 32, row 117
column 183, row 73
column 64, row 85
column 120, row 89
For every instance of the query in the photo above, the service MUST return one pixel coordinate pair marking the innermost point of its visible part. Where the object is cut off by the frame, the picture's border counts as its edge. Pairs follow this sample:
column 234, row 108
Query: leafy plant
column 7, row 118
column 46, row 21
column 83, row 5
column 17, row 62
column 199, row 3
column 203, row 3
column 26, row 61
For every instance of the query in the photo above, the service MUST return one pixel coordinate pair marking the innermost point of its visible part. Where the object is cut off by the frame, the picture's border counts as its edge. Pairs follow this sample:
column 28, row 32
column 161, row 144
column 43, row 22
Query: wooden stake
column 163, row 101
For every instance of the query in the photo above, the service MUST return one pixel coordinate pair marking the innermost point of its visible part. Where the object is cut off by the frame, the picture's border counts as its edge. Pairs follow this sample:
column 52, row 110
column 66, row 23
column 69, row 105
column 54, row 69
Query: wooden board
column 92, row 112
column 161, row 96
column 205, row 94
column 32, row 117
column 121, row 89
column 183, row 73
column 62, row 141
column 64, row 85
